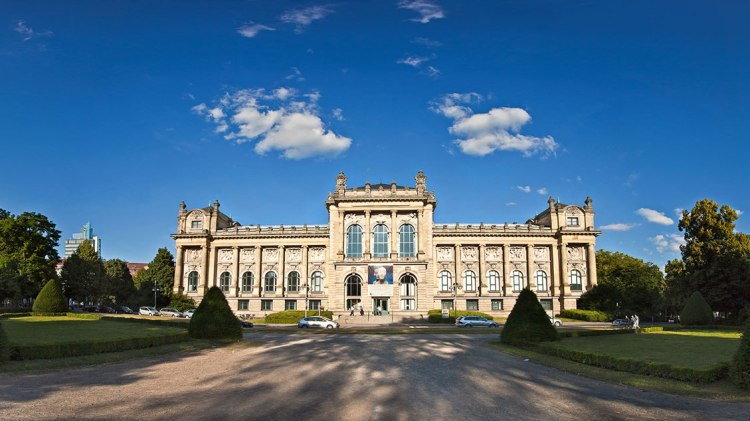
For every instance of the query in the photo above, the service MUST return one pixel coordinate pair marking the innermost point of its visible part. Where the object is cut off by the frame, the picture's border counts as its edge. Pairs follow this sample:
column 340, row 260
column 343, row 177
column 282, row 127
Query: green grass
column 53, row 330
column 686, row 348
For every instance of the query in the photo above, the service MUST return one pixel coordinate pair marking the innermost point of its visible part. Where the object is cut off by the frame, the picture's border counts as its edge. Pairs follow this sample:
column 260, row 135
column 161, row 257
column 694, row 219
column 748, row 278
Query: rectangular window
column 317, row 284
column 196, row 224
column 546, row 304
column 290, row 304
column 572, row 221
column 243, row 304
column 497, row 305
column 408, row 304
column 314, row 304
column 266, row 305
column 472, row 305
column 446, row 304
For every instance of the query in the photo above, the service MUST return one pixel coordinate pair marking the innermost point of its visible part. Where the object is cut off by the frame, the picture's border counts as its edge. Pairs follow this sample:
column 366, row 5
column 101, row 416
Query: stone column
column 457, row 262
column 282, row 272
column 303, row 273
column 564, row 284
column 236, row 271
column 178, row 286
column 212, row 267
column 591, row 265
column 259, row 269
column 366, row 252
column 394, row 237
column 530, row 266
column 507, row 287
column 482, row 276
column 203, row 282
column 555, row 286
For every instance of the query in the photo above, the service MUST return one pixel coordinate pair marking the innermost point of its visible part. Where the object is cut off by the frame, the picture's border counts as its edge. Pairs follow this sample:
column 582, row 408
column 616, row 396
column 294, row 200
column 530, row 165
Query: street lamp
column 155, row 289
column 456, row 286
column 305, row 288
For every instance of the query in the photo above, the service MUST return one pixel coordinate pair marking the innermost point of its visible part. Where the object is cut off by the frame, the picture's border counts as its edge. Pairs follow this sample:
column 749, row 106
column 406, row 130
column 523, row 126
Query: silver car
column 148, row 311
column 189, row 313
column 170, row 312
column 475, row 321
column 316, row 321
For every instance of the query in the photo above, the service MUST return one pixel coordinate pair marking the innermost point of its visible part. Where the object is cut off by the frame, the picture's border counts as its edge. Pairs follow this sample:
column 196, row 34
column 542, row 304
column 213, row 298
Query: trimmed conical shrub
column 696, row 311
column 50, row 299
column 4, row 346
column 528, row 322
column 739, row 370
column 213, row 319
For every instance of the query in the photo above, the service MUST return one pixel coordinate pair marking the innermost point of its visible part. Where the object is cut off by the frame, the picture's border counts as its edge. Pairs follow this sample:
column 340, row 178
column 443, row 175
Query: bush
column 586, row 315
column 13, row 315
column 181, row 302
column 89, row 347
column 4, row 346
column 292, row 316
column 50, row 299
column 696, row 311
column 528, row 322
column 213, row 319
column 436, row 316
column 739, row 369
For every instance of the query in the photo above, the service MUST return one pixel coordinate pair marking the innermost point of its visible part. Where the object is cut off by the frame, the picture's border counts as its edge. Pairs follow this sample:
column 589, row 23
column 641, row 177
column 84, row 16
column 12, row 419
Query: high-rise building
column 87, row 233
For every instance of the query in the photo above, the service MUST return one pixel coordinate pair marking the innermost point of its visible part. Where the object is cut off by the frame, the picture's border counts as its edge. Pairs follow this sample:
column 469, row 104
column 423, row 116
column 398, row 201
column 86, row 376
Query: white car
column 170, row 312
column 316, row 321
column 189, row 313
column 555, row 322
column 148, row 311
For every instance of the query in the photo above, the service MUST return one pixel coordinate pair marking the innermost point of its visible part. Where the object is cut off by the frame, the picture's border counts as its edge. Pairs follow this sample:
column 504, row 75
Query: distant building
column 134, row 268
column 87, row 233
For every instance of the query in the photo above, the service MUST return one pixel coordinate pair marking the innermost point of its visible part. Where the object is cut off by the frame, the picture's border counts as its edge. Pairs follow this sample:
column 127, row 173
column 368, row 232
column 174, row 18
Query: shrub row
column 4, row 345
column 635, row 366
column 582, row 333
column 14, row 315
column 292, row 316
column 158, row 322
column 436, row 316
column 586, row 315
column 74, row 349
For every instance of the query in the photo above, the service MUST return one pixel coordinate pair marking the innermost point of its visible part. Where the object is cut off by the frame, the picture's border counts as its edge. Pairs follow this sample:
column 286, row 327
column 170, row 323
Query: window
column 247, row 282
column 541, row 280
column 446, row 304
column 380, row 241
column 243, row 304
column 445, row 281
column 572, row 221
column 408, row 286
column 266, row 305
column 517, row 279
column 354, row 241
column 290, row 305
column 270, row 284
column 292, row 283
column 472, row 305
column 497, row 305
column 224, row 280
column 314, row 304
column 408, row 304
column 406, row 240
column 546, row 303
column 575, row 280
column 494, row 280
column 353, row 286
column 196, row 224
column 316, row 284
column 192, row 281
column 470, row 281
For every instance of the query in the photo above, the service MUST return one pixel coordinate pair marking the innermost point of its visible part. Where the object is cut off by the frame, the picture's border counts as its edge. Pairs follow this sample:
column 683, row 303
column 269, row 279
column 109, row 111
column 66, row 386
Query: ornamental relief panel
column 577, row 266
column 380, row 218
column 226, row 255
column 317, row 254
column 517, row 266
column 193, row 255
column 223, row 268
column 573, row 211
column 576, row 253
column 492, row 253
column 195, row 215
column 190, row 268
column 294, row 255
column 247, row 254
column 517, row 253
column 354, row 218
column 541, row 253
column 409, row 218
column 271, row 255
column 445, row 253
column 542, row 266
column 469, row 253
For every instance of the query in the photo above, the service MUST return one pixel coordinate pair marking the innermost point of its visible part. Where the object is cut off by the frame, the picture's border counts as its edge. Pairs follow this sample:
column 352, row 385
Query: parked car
column 170, row 312
column 245, row 323
column 475, row 321
column 148, row 311
column 622, row 322
column 189, row 313
column 316, row 321
column 91, row 309
column 105, row 309
column 124, row 310
column 555, row 322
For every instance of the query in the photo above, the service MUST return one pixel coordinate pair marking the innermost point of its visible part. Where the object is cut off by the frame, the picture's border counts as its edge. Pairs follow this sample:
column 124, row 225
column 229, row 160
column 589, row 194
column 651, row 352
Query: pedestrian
column 361, row 311
column 351, row 312
column 636, row 322
column 380, row 311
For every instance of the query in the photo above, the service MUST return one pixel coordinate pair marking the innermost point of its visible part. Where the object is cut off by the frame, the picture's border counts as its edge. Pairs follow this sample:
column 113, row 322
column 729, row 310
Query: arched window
column 353, row 286
column 408, row 292
column 316, row 281
column 192, row 285
column 406, row 240
column 470, row 281
column 292, row 281
column 575, row 280
column 494, row 280
column 247, row 282
column 445, row 281
column 354, row 241
column 517, row 280
column 224, row 280
column 270, row 282
column 541, row 280
column 380, row 241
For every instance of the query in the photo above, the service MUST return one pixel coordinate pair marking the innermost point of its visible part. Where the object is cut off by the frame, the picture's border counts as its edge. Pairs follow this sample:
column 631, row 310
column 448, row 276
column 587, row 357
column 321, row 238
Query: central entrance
column 380, row 306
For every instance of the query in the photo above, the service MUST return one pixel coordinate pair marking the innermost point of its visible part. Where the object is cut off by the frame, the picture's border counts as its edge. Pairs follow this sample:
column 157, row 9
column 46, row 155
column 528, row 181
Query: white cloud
column 496, row 130
column 525, row 189
column 427, row 9
column 432, row 71
column 579, row 178
column 668, row 243
column 28, row 32
column 543, row 191
column 655, row 216
column 739, row 212
column 413, row 61
column 618, row 227
column 251, row 29
column 426, row 42
column 511, row 204
column 280, row 120
column 338, row 114
column 295, row 75
column 301, row 18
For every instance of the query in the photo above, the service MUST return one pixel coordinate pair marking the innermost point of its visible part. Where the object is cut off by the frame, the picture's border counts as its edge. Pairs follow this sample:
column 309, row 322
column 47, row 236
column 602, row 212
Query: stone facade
column 264, row 269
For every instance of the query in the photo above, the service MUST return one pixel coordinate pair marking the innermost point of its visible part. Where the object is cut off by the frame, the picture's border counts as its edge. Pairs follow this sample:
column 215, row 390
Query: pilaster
column 591, row 266
column 394, row 237
column 178, row 286
column 235, row 271
column 507, row 287
column 530, row 266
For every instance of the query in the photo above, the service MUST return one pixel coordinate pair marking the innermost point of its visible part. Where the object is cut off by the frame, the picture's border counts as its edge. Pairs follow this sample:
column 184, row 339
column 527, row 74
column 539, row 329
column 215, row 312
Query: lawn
column 695, row 349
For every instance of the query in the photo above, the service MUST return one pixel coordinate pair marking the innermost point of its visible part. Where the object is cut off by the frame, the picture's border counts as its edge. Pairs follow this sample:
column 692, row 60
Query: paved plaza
column 340, row 377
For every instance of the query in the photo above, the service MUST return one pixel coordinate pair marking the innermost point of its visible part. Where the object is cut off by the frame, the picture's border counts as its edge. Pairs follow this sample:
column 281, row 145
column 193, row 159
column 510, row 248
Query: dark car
column 124, row 310
column 245, row 323
column 105, row 309
column 91, row 309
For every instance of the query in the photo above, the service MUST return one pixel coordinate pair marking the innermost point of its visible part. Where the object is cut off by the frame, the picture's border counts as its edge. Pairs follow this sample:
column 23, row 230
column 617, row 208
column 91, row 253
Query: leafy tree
column 625, row 285
column 715, row 259
column 83, row 275
column 51, row 299
column 739, row 370
column 213, row 319
column 160, row 272
column 696, row 311
column 527, row 322
column 182, row 302
column 28, row 253
column 120, row 285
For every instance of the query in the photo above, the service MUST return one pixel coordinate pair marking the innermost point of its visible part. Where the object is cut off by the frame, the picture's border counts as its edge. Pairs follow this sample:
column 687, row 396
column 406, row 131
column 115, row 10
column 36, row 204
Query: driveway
column 340, row 377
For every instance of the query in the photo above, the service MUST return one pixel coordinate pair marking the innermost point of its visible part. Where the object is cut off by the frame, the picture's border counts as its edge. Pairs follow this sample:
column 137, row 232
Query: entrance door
column 382, row 303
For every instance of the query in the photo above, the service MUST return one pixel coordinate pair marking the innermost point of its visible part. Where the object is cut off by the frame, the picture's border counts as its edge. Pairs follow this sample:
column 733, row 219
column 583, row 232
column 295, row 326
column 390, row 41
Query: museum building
column 382, row 252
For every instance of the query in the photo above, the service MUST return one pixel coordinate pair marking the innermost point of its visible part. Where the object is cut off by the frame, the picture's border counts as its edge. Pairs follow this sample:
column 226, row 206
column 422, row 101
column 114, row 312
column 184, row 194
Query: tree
column 696, row 311
column 715, row 260
column 51, row 299
column 28, row 253
column 160, row 272
column 527, row 322
column 625, row 285
column 120, row 287
column 182, row 302
column 83, row 275
column 213, row 319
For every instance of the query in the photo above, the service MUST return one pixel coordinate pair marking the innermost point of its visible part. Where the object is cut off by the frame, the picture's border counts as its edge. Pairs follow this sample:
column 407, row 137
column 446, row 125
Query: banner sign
column 380, row 280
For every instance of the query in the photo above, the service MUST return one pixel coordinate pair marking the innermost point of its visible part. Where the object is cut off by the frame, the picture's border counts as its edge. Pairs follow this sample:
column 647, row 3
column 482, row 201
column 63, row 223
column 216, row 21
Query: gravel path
column 341, row 377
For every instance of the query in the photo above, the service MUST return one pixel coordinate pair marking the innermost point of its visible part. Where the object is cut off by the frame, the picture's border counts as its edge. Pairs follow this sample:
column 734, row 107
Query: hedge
column 528, row 322
column 14, row 315
column 74, row 349
column 50, row 299
column 213, row 319
column 696, row 311
column 436, row 316
column 292, row 316
column 4, row 345
column 586, row 315
column 739, row 370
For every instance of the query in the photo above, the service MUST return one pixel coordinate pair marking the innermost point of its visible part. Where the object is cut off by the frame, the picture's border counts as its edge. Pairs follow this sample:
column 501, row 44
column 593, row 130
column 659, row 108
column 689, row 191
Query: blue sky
column 113, row 112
